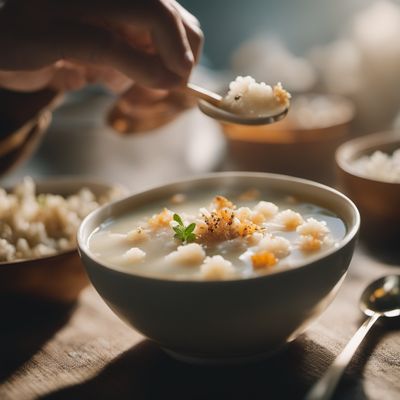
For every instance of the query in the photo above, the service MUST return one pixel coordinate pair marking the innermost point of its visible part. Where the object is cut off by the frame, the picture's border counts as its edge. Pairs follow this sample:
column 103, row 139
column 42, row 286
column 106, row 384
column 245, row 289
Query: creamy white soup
column 206, row 236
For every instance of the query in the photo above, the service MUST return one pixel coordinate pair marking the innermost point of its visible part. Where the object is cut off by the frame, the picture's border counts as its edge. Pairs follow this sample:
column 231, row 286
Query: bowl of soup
column 223, row 267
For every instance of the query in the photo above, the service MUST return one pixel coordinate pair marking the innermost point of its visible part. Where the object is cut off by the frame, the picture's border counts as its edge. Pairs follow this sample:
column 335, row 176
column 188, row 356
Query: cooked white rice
column 314, row 228
column 134, row 256
column 267, row 208
column 380, row 166
column 309, row 243
column 277, row 245
column 289, row 219
column 216, row 268
column 313, row 234
column 189, row 254
column 33, row 226
column 247, row 97
column 137, row 235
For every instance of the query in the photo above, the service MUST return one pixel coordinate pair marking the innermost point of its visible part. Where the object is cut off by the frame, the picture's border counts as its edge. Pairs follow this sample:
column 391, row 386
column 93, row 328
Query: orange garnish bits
column 222, row 202
column 263, row 259
column 161, row 220
column 311, row 244
column 222, row 224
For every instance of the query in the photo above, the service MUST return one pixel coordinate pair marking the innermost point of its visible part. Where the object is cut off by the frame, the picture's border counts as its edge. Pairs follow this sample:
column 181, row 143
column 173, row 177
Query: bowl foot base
column 221, row 360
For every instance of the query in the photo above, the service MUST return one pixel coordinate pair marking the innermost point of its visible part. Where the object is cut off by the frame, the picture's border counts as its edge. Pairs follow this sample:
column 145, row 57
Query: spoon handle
column 204, row 94
column 326, row 385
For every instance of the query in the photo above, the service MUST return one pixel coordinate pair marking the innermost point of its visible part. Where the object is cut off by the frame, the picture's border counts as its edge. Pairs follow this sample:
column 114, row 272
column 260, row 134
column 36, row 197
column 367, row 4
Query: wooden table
column 85, row 352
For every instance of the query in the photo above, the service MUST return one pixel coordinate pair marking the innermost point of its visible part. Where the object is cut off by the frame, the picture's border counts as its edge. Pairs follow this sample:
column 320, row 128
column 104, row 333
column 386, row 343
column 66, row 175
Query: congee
column 210, row 236
column 248, row 97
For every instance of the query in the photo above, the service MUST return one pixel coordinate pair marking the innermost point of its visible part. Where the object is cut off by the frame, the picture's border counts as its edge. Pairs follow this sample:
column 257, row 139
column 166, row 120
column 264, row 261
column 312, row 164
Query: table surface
column 85, row 352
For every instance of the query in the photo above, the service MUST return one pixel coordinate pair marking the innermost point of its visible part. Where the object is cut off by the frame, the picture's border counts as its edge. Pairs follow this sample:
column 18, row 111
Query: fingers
column 141, row 109
column 196, row 39
column 126, row 119
column 174, row 30
column 141, row 96
column 88, row 32
column 193, row 30
column 171, row 40
column 133, row 124
column 109, row 77
column 27, row 81
column 68, row 76
column 98, row 46
column 185, row 14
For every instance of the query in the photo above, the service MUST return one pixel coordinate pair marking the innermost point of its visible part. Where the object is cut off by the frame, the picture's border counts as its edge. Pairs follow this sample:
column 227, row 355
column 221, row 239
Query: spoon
column 380, row 299
column 210, row 103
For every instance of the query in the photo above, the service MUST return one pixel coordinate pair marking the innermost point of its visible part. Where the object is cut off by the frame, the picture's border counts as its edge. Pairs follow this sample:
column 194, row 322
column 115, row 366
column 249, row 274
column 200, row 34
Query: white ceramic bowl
column 221, row 321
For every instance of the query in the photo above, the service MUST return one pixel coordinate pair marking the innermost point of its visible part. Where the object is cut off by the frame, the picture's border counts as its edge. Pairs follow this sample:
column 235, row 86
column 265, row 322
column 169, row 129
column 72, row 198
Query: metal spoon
column 380, row 299
column 210, row 103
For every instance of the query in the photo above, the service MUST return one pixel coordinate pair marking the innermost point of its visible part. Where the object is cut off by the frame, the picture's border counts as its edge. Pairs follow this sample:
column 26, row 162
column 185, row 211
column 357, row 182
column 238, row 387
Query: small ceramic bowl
column 303, row 144
column 378, row 201
column 59, row 277
column 224, row 321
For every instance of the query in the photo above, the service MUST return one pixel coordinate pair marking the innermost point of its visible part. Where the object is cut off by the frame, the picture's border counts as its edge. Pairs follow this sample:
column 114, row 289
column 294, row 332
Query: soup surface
column 208, row 236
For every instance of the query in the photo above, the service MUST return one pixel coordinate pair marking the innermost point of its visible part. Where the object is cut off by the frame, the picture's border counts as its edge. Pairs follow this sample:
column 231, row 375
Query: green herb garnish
column 182, row 232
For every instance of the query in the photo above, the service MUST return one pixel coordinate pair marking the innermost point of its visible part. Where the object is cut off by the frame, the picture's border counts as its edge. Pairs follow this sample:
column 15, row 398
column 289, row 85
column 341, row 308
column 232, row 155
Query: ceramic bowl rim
column 346, row 150
column 350, row 235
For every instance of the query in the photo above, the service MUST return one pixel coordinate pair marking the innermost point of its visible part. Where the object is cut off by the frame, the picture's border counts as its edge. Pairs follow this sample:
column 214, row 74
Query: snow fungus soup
column 216, row 236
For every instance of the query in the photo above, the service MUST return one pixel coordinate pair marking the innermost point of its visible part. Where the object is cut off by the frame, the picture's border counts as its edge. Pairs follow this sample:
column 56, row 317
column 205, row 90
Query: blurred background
column 341, row 61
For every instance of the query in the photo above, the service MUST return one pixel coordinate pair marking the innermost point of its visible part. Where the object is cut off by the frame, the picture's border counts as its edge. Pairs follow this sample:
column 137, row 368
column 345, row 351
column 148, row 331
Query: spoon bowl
column 223, row 115
column 382, row 297
column 210, row 103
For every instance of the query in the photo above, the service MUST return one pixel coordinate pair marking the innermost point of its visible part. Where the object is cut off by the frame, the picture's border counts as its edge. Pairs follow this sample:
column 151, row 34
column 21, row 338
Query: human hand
column 68, row 43
column 142, row 109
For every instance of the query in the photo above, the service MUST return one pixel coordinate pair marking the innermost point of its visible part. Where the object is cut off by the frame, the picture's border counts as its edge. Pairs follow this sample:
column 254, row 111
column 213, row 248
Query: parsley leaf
column 178, row 219
column 182, row 232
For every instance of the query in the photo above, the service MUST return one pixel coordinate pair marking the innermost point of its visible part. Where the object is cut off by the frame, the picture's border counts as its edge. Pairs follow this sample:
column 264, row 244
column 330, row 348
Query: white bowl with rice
column 208, row 307
column 369, row 172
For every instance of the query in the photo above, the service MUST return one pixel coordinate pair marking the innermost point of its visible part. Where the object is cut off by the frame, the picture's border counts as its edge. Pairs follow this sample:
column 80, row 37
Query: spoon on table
column 210, row 103
column 380, row 299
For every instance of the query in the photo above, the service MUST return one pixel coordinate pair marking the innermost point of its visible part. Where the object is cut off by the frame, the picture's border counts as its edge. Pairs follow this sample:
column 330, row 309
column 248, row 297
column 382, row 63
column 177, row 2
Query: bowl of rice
column 38, row 225
column 369, row 172
column 303, row 144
